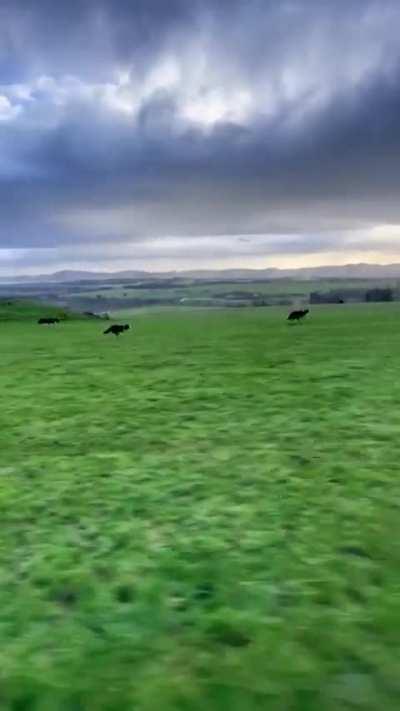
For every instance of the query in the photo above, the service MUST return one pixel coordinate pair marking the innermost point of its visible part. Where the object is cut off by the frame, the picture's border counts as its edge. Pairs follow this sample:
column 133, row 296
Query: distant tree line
column 379, row 295
column 336, row 297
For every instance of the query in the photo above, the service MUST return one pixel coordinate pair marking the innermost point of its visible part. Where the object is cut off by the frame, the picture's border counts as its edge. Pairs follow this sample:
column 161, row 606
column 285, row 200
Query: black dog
column 116, row 329
column 297, row 315
column 49, row 320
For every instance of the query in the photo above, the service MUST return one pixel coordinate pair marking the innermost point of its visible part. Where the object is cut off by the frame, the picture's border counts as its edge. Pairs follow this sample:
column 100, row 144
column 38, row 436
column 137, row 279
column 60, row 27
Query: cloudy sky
column 177, row 134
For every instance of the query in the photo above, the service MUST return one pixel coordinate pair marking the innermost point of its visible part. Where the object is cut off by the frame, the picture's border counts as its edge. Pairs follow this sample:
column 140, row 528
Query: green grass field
column 202, row 514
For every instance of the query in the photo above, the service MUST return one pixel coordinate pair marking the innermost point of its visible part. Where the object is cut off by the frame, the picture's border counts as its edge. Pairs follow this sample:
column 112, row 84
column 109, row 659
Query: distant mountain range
column 348, row 271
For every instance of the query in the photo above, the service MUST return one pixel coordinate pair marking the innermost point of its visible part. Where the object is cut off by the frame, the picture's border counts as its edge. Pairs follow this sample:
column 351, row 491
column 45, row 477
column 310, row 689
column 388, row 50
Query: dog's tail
column 108, row 330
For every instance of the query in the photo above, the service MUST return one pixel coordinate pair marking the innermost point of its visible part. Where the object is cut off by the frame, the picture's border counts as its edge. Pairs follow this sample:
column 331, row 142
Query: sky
column 190, row 134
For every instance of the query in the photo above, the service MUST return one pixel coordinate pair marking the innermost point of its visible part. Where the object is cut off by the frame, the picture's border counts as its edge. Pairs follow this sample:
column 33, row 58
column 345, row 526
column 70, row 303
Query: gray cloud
column 140, row 128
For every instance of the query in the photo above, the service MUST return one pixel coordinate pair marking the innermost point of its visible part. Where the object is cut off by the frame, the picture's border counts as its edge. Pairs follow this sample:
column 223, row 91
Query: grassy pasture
column 202, row 513
column 25, row 310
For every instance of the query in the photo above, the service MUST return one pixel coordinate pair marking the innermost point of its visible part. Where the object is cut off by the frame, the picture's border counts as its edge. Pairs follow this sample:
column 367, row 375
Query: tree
column 379, row 295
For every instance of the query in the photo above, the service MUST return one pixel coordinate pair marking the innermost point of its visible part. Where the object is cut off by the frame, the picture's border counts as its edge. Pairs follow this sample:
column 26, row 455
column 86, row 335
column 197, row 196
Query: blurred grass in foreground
column 201, row 514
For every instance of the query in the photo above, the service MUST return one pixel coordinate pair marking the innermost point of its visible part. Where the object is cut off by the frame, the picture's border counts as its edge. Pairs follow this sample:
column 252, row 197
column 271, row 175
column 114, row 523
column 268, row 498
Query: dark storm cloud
column 88, row 36
column 271, row 118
